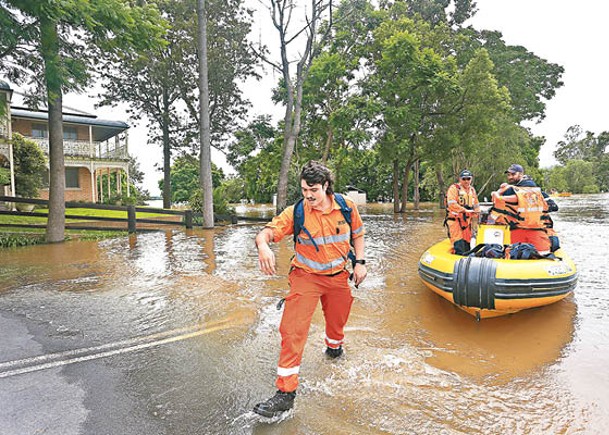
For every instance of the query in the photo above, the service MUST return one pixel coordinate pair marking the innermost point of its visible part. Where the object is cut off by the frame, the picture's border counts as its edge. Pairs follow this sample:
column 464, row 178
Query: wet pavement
column 175, row 332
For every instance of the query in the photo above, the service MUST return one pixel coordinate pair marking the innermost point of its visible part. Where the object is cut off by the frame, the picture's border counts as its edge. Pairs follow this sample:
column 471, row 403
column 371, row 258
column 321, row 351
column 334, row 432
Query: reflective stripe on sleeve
column 288, row 371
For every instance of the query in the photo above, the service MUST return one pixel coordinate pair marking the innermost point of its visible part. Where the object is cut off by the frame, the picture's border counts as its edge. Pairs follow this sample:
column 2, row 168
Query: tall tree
column 46, row 54
column 282, row 14
column 157, row 84
column 204, row 128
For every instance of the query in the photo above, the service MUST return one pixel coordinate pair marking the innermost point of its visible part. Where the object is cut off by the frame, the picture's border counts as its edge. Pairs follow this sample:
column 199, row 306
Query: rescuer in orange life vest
column 317, row 272
column 525, row 207
column 462, row 208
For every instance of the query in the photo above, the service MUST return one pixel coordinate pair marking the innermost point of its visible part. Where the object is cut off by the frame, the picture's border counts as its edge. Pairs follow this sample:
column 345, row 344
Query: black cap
column 514, row 168
column 465, row 173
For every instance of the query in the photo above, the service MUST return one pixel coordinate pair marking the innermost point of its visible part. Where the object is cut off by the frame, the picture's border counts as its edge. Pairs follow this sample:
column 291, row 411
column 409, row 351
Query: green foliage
column 591, row 189
column 18, row 240
column 5, row 176
column 577, row 176
column 531, row 80
column 30, row 166
column 232, row 189
column 221, row 205
column 185, row 178
column 580, row 145
column 586, row 147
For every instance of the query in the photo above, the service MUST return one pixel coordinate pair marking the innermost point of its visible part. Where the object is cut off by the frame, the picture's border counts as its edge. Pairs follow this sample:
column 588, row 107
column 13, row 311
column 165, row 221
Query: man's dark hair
column 316, row 173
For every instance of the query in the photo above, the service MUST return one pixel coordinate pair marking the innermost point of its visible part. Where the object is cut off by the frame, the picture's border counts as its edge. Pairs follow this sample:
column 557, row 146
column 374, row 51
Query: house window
column 72, row 178
column 70, row 133
column 40, row 131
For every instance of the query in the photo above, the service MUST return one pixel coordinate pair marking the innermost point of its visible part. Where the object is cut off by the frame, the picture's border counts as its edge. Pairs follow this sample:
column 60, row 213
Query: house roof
column 103, row 129
column 4, row 85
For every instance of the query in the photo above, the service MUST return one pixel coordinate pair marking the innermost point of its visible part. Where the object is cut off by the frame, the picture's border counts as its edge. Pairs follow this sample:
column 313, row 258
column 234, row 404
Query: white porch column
column 119, row 186
column 128, row 188
column 109, row 191
column 12, row 165
column 91, row 148
column 93, row 195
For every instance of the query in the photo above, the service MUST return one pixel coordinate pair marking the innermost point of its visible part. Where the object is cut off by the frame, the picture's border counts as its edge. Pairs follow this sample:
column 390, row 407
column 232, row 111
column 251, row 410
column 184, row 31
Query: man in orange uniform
column 461, row 208
column 318, row 272
column 523, row 205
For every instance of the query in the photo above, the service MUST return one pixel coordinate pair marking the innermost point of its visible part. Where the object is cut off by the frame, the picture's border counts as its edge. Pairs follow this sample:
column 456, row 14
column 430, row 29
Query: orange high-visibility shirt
column 330, row 232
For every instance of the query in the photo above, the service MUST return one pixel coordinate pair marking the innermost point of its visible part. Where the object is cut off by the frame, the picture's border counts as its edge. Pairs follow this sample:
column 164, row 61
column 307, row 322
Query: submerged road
column 176, row 333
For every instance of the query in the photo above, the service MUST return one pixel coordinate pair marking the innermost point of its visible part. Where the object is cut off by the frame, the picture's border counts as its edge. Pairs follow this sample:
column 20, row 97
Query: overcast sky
column 572, row 34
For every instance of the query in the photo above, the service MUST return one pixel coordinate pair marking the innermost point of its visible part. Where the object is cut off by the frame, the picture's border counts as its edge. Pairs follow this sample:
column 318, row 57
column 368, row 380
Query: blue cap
column 465, row 173
column 514, row 168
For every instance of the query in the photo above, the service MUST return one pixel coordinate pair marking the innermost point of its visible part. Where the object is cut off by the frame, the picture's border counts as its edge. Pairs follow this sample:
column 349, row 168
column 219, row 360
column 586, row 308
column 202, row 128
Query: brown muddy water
column 414, row 363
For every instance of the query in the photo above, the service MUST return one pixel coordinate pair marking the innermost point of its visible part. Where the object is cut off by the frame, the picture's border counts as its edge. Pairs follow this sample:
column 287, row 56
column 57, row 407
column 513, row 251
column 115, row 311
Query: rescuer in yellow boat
column 462, row 209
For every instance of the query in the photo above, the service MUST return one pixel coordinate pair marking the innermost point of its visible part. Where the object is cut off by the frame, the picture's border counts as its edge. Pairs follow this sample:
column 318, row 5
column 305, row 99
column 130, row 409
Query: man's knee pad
column 554, row 243
column 461, row 247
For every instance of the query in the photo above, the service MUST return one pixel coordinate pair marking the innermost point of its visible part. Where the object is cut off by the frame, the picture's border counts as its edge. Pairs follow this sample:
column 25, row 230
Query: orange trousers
column 456, row 233
column 306, row 289
column 537, row 238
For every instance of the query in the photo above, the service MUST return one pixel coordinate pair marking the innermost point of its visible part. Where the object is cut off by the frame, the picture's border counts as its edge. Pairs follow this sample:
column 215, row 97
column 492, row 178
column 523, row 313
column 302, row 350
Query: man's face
column 466, row 181
column 314, row 194
column 514, row 177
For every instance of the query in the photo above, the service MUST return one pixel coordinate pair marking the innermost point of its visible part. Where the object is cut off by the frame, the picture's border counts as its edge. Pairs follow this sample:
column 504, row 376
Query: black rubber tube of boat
column 475, row 282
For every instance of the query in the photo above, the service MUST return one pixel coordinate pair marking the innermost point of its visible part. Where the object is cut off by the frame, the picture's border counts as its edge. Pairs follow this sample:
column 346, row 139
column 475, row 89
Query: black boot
column 277, row 404
column 461, row 247
column 334, row 353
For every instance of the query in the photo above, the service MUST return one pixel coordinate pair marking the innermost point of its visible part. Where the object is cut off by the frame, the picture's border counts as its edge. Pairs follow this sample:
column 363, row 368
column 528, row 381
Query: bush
column 30, row 166
column 220, row 204
column 17, row 240
column 5, row 176
column 591, row 189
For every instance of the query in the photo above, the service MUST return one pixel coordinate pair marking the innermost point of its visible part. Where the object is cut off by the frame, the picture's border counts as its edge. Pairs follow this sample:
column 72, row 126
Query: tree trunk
column 442, row 185
column 166, row 153
column 204, row 121
column 329, row 138
column 405, row 187
column 281, row 13
column 56, row 224
column 415, row 176
column 396, row 187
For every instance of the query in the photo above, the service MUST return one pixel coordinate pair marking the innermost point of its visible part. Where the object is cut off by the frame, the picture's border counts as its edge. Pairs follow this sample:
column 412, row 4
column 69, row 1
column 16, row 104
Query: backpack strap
column 346, row 211
column 299, row 221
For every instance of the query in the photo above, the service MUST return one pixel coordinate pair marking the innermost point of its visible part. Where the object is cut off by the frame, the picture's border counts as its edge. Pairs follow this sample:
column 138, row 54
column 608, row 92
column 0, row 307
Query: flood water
column 414, row 363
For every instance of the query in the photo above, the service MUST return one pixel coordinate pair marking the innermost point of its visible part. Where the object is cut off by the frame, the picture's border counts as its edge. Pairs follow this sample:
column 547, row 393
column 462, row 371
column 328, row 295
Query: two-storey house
column 95, row 150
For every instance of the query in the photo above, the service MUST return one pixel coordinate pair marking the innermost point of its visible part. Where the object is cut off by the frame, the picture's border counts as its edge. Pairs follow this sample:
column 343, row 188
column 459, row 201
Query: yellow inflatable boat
column 490, row 287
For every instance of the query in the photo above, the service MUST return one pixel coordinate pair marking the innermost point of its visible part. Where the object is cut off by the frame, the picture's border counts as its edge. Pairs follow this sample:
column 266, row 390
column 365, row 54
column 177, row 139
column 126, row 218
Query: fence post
column 131, row 219
column 188, row 219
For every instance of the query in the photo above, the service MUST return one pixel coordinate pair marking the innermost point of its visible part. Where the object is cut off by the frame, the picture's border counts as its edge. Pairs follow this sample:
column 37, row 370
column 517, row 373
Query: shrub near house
column 30, row 166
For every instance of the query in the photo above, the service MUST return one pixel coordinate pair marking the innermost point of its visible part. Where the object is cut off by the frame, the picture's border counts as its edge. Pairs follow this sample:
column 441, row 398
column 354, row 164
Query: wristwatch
column 360, row 261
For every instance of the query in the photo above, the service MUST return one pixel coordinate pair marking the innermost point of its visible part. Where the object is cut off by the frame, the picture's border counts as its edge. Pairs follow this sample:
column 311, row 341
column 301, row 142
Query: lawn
column 12, row 236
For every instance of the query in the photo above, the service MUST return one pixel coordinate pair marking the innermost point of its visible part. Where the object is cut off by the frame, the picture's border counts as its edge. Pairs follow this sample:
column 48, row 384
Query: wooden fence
column 184, row 217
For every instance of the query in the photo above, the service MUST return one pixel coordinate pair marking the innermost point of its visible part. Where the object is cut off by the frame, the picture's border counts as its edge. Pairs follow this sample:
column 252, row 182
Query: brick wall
column 83, row 193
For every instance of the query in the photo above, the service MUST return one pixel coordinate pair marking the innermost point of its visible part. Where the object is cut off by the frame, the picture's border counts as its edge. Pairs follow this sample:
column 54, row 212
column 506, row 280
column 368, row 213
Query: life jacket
column 464, row 200
column 299, row 217
column 527, row 213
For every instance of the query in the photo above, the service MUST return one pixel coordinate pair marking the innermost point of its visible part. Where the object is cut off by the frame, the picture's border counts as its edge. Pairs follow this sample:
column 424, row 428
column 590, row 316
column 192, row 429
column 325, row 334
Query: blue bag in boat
column 488, row 251
column 524, row 251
